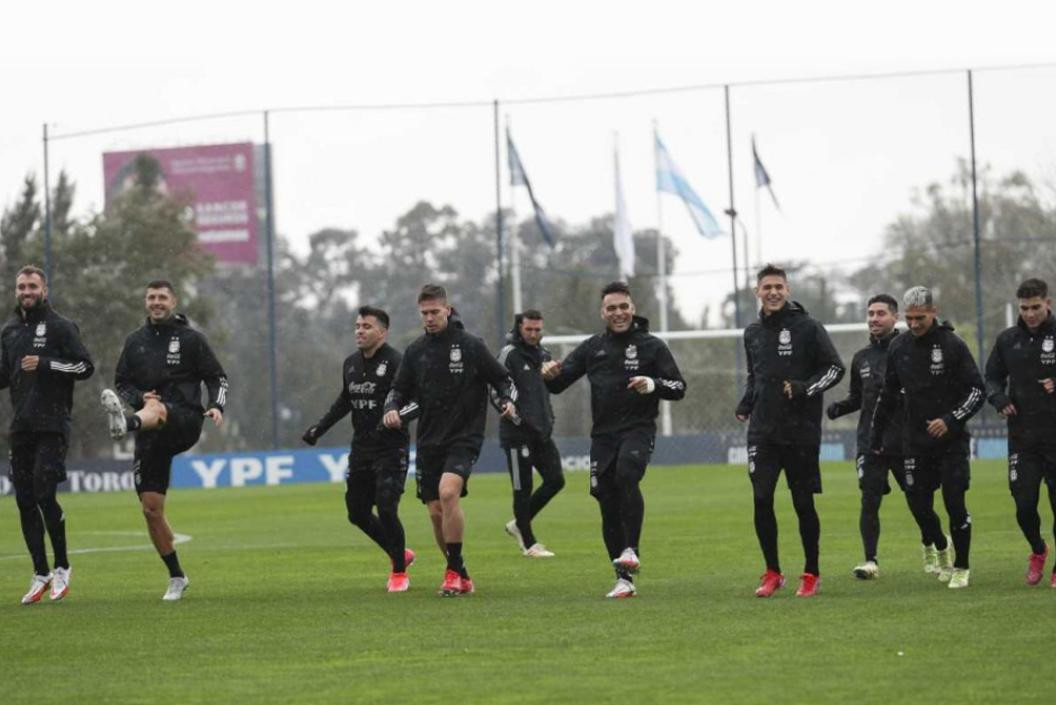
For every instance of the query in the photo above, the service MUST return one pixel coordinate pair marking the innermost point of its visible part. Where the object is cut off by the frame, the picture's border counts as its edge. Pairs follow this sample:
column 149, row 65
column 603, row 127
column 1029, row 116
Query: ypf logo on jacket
column 631, row 362
column 456, row 366
column 41, row 338
column 784, row 342
column 1048, row 351
column 938, row 366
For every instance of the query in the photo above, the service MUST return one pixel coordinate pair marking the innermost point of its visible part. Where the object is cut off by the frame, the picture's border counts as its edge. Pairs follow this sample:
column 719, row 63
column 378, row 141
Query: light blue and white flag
column 669, row 179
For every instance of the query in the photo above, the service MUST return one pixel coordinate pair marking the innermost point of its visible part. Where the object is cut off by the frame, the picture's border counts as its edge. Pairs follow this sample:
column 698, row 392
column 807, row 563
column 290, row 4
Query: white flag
column 622, row 236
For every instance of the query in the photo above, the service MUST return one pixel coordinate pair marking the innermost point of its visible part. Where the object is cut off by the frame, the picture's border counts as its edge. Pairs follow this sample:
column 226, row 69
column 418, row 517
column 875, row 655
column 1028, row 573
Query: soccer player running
column 791, row 362
column 42, row 355
column 160, row 374
column 377, row 461
column 931, row 369
column 867, row 377
column 447, row 372
column 1020, row 383
column 526, row 438
column 629, row 371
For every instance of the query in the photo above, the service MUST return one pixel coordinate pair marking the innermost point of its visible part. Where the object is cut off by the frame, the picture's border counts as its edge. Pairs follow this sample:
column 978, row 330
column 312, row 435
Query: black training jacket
column 172, row 359
column 609, row 360
column 535, row 416
column 790, row 346
column 936, row 377
column 42, row 399
column 365, row 384
column 447, row 374
column 867, row 378
column 1018, row 361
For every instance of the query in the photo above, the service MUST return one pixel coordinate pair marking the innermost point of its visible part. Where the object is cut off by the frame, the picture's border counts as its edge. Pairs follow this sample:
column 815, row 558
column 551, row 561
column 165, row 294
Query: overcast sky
column 845, row 156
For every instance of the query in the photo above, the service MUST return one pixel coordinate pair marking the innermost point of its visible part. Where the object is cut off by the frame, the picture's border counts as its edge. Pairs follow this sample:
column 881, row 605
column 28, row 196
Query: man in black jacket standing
column 629, row 371
column 932, row 371
column 791, row 362
column 1021, row 384
column 160, row 374
column 42, row 355
column 447, row 371
column 377, row 461
column 526, row 438
column 867, row 377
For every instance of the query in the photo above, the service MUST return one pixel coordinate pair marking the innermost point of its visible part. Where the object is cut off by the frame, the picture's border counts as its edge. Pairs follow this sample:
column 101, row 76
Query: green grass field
column 287, row 605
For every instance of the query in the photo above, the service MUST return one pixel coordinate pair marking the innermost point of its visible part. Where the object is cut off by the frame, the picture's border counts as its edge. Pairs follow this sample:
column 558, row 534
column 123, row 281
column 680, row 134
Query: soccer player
column 629, row 371
column 42, row 355
column 867, row 377
column 526, row 438
column 931, row 369
column 1020, row 382
column 160, row 374
column 791, row 362
column 377, row 461
column 447, row 372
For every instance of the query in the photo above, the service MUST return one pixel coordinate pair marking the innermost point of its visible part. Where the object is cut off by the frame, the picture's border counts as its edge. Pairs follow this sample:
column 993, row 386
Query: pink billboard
column 218, row 177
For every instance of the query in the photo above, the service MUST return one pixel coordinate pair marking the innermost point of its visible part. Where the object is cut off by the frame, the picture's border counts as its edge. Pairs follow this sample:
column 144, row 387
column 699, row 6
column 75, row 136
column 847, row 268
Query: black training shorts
column 872, row 473
column 1026, row 470
column 927, row 473
column 152, row 461
column 431, row 464
column 376, row 475
column 37, row 456
column 619, row 458
column 800, row 463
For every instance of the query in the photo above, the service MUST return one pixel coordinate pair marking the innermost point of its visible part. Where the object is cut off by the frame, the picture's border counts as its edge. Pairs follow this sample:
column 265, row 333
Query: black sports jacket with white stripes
column 365, row 383
column 610, row 360
column 174, row 360
column 42, row 399
column 447, row 375
column 535, row 415
column 789, row 346
column 936, row 378
column 1021, row 358
column 867, row 378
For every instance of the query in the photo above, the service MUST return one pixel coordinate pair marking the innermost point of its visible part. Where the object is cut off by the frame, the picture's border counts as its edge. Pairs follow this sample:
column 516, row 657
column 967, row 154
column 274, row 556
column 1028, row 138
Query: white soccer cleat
column 512, row 530
column 624, row 588
column 538, row 550
column 176, row 588
column 959, row 579
column 37, row 587
column 946, row 561
column 628, row 560
column 60, row 583
column 931, row 559
column 115, row 413
column 867, row 570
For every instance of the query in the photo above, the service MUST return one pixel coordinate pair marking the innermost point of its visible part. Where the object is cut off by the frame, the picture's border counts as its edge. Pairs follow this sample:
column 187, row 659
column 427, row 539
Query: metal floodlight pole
column 732, row 212
column 979, row 333
column 47, row 213
column 500, row 313
column 270, row 244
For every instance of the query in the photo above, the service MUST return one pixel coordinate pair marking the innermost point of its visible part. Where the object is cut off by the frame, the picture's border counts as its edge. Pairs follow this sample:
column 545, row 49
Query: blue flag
column 518, row 177
column 670, row 179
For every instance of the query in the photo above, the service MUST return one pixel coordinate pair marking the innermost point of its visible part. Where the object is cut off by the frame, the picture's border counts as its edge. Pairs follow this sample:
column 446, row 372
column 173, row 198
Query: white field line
column 178, row 539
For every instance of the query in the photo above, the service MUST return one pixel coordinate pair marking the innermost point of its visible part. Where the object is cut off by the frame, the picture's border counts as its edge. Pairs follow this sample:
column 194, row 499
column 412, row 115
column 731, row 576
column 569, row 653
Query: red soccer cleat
column 398, row 582
column 1054, row 579
column 467, row 586
column 408, row 558
column 452, row 584
column 1036, row 566
column 770, row 582
column 808, row 585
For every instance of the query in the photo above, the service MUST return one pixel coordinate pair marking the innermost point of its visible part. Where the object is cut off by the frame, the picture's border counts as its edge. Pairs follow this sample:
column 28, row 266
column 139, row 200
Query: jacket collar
column 35, row 314
column 638, row 324
column 1047, row 326
column 177, row 320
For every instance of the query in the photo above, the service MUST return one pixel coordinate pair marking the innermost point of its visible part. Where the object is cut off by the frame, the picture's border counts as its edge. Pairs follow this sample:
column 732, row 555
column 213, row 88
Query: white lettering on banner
column 335, row 465
column 278, row 468
column 5, row 485
column 575, row 462
column 737, row 455
column 209, row 472
column 243, row 469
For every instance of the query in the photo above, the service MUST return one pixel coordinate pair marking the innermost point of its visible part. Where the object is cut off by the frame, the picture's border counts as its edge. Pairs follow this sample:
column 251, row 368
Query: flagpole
column 661, row 269
column 758, row 230
column 513, row 244
column 732, row 212
column 500, row 309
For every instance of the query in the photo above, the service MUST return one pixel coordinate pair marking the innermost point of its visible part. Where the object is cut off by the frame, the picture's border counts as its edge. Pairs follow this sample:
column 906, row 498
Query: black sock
column 55, row 523
column 624, row 574
column 809, row 529
column 454, row 559
column 173, row 564
column 766, row 531
column 133, row 423
column 869, row 524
